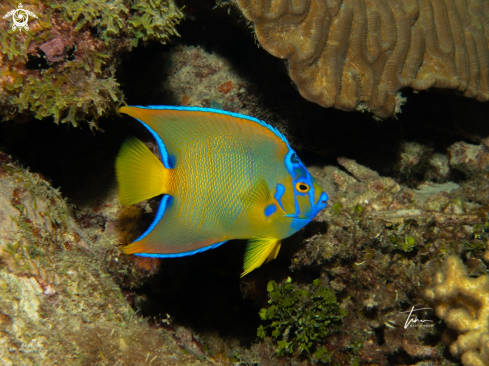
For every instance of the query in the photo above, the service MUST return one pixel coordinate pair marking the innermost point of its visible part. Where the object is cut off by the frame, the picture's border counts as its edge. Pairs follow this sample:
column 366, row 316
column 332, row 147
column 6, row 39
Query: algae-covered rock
column 64, row 65
column 58, row 304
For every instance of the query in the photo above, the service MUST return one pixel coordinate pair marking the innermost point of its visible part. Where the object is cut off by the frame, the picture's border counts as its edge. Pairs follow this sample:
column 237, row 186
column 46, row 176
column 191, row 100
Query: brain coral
column 359, row 53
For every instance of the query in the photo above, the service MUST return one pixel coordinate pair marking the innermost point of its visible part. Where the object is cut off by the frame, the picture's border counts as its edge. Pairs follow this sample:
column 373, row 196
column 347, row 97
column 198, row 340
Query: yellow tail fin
column 140, row 175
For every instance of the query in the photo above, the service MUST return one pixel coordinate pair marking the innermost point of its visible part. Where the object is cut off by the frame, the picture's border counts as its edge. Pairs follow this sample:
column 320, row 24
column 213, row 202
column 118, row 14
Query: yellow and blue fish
column 223, row 176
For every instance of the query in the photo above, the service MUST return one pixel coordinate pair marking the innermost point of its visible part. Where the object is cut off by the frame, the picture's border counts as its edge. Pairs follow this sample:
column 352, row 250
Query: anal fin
column 169, row 235
column 274, row 252
column 259, row 250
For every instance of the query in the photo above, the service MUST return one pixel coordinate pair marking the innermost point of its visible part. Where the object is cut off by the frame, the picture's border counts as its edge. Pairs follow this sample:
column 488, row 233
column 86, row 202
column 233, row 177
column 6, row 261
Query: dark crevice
column 379, row 334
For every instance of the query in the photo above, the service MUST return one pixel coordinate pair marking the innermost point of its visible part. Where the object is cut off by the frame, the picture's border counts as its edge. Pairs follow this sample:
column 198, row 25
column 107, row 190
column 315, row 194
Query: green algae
column 301, row 317
column 405, row 243
column 336, row 208
column 154, row 20
column 57, row 95
column 107, row 16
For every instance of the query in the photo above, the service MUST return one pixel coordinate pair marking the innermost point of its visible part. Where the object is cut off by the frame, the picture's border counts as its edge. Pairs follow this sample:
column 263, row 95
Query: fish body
column 223, row 176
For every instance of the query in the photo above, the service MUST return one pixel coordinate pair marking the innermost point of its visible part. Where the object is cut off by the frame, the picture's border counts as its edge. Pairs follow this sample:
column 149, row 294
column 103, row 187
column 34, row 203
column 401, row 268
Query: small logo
column 20, row 17
column 412, row 321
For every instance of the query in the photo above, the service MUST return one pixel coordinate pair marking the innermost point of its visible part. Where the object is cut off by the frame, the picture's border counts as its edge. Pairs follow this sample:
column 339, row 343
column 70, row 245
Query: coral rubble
column 358, row 54
column 64, row 66
column 463, row 303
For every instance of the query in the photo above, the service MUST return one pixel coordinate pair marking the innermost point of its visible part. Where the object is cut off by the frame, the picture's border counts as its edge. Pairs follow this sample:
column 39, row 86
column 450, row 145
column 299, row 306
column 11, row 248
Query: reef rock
column 378, row 244
column 58, row 305
column 469, row 158
column 358, row 54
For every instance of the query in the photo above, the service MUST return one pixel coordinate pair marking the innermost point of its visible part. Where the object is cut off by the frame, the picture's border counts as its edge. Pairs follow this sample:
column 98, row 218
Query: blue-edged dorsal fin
column 167, row 159
column 172, row 126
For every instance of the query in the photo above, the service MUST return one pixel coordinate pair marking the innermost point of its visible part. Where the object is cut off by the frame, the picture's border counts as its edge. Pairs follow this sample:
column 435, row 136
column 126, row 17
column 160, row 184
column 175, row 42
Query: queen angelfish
column 223, row 176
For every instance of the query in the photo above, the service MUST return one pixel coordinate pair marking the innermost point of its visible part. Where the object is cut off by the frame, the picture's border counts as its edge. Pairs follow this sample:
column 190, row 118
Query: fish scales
column 228, row 169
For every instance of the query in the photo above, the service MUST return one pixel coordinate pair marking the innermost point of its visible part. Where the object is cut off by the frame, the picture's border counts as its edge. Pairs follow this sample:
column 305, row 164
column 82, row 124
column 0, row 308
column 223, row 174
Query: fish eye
column 302, row 187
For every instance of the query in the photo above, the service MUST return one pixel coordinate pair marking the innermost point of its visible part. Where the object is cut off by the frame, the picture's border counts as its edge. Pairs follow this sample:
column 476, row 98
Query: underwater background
column 393, row 272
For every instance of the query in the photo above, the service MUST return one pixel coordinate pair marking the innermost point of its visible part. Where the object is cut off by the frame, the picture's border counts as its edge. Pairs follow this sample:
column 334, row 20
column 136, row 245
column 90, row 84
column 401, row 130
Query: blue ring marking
column 279, row 192
column 175, row 255
column 165, row 202
column 218, row 111
column 270, row 209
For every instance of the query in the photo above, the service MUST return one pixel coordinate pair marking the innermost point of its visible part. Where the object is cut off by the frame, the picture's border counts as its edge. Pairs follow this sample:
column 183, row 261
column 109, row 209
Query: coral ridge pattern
column 357, row 54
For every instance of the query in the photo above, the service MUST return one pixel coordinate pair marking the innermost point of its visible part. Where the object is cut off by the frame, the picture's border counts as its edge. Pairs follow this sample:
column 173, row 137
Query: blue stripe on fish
column 296, row 204
column 165, row 202
column 184, row 254
column 168, row 160
column 218, row 111
column 289, row 164
column 279, row 192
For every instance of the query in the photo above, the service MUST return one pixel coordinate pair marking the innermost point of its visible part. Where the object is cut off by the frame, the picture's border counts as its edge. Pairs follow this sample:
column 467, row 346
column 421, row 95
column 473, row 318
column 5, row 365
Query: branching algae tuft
column 301, row 317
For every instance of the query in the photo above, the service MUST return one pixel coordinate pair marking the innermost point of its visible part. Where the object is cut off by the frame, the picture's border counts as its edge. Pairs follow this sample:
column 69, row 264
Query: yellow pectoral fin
column 258, row 197
column 257, row 251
